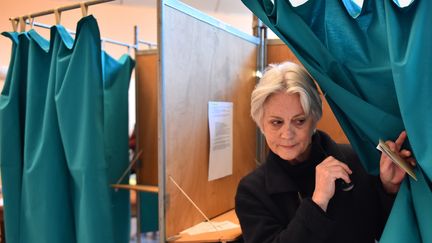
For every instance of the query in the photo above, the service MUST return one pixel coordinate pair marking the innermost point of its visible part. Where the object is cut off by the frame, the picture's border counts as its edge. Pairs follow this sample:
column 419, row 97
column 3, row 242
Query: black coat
column 273, row 203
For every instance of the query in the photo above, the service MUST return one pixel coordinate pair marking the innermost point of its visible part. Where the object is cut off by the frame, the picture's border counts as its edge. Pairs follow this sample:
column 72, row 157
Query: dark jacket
column 273, row 203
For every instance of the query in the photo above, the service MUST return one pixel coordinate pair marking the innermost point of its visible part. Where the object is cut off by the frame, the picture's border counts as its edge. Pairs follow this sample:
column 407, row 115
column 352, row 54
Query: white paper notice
column 221, row 139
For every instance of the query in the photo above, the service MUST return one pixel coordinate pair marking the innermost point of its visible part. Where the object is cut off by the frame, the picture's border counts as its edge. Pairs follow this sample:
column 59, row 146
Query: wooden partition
column 146, row 204
column 278, row 52
column 202, row 60
column 146, row 69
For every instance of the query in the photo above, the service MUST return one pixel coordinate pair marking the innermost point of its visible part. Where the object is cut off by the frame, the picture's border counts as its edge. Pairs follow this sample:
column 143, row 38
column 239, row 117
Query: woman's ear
column 315, row 124
column 262, row 131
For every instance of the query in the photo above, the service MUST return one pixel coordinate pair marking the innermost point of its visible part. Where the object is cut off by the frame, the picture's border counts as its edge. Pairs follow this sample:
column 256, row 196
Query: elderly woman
column 310, row 189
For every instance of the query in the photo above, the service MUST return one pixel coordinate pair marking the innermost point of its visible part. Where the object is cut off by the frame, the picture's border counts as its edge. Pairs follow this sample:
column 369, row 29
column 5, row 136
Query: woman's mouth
column 287, row 146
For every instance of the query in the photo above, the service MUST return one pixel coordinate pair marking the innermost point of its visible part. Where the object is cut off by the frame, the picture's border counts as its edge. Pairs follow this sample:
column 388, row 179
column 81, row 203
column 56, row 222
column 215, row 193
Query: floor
column 148, row 237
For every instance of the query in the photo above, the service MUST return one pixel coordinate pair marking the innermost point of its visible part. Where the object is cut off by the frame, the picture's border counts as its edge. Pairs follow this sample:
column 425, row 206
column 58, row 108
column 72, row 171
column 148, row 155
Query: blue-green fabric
column 149, row 212
column 62, row 140
column 12, row 106
column 116, row 76
column 374, row 72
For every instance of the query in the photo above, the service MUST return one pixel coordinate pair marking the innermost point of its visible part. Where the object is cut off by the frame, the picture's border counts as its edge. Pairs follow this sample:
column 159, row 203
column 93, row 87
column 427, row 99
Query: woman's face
column 287, row 129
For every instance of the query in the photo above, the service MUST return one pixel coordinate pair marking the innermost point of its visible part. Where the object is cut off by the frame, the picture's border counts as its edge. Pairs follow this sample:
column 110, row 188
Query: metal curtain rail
column 103, row 39
column 29, row 20
column 137, row 41
column 61, row 9
column 45, row 26
column 147, row 43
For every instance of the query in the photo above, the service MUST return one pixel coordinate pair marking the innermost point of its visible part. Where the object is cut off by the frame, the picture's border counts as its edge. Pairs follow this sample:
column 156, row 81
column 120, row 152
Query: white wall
column 116, row 21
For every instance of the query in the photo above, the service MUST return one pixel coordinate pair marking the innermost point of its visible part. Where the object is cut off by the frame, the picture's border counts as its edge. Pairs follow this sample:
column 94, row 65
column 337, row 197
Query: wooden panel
column 203, row 63
column 278, row 52
column 146, row 119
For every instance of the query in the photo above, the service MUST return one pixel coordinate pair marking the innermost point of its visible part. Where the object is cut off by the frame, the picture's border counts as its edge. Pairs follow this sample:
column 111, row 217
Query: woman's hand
column 327, row 172
column 391, row 174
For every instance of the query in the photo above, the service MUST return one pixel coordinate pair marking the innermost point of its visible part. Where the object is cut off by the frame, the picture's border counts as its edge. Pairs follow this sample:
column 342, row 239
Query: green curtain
column 149, row 212
column 64, row 138
column 374, row 71
column 116, row 131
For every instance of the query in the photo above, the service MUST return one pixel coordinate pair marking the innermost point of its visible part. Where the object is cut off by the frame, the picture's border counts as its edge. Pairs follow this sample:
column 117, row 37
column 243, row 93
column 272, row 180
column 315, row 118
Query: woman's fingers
column 327, row 172
column 332, row 169
column 332, row 162
column 400, row 140
column 396, row 145
column 344, row 176
column 412, row 161
column 392, row 145
column 404, row 153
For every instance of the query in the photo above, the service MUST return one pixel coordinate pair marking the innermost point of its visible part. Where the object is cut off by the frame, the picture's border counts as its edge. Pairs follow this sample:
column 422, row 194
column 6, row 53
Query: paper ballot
column 205, row 227
column 220, row 117
column 396, row 159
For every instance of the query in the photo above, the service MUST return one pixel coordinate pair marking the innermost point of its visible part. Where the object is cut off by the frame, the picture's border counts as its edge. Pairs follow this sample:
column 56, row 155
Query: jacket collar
column 276, row 177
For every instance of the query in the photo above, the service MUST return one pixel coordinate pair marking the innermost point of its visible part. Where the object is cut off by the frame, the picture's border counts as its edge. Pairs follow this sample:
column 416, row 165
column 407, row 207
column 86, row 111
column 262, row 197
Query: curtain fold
column 64, row 138
column 12, row 105
column 374, row 72
column 116, row 133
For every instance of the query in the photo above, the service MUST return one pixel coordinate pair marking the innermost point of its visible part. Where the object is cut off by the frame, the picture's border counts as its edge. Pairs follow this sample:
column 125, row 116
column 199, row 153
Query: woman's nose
column 287, row 132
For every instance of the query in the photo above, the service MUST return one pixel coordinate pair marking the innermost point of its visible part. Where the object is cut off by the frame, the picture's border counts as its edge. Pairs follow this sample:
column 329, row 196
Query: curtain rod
column 147, row 43
column 45, row 26
column 137, row 41
column 107, row 40
column 61, row 9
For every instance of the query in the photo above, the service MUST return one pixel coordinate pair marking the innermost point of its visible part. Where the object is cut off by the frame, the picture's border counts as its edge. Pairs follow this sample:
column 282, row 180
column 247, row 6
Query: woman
column 298, row 194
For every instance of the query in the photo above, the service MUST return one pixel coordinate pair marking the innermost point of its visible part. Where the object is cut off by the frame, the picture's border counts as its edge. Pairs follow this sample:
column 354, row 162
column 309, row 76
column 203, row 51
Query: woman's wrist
column 320, row 201
column 390, row 188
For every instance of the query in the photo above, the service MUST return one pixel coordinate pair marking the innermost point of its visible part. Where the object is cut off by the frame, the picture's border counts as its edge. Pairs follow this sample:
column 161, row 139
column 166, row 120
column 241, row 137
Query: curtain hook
column 84, row 9
column 22, row 24
column 14, row 23
column 57, row 14
column 30, row 21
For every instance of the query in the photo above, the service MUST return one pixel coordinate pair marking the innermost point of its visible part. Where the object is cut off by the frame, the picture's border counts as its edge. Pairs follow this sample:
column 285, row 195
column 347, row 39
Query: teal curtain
column 64, row 138
column 149, row 212
column 375, row 73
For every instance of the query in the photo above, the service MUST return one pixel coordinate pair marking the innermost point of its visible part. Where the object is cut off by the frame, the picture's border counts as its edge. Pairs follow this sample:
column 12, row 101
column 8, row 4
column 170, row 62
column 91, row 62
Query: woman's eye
column 276, row 122
column 300, row 122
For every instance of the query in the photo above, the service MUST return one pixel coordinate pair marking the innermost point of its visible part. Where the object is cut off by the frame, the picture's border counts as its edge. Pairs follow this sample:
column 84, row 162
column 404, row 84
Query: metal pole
column 61, row 9
column 136, row 39
column 107, row 40
column 162, row 197
column 138, row 145
column 260, row 30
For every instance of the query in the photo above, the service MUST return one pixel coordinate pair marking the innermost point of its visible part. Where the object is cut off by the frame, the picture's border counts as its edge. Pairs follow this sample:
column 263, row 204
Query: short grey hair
column 286, row 77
